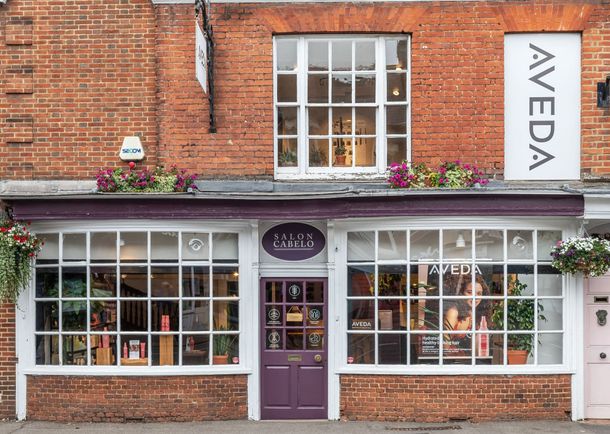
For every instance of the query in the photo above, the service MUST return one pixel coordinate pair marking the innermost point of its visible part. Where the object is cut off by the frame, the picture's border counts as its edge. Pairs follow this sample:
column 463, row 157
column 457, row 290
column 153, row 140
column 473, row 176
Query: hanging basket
column 588, row 256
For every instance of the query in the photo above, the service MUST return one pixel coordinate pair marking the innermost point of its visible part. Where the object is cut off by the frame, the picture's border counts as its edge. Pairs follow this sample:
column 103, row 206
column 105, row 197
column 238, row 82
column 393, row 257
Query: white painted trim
column 439, row 370
column 24, row 345
column 136, row 371
column 577, row 344
column 254, row 381
column 334, row 331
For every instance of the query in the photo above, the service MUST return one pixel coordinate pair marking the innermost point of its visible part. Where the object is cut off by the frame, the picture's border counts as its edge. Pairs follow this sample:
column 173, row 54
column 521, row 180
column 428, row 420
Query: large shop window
column 137, row 299
column 466, row 297
column 341, row 104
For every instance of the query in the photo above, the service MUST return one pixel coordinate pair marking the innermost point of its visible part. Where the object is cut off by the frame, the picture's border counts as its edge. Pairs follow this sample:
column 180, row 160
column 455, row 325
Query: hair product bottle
column 483, row 339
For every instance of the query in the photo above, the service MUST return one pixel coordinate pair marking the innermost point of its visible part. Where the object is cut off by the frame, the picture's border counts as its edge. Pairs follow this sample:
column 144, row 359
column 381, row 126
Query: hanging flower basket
column 18, row 249
column 587, row 255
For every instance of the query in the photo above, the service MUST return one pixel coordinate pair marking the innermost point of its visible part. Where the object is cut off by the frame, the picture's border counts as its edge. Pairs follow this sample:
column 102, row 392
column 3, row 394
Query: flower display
column 158, row 180
column 18, row 248
column 587, row 255
column 448, row 175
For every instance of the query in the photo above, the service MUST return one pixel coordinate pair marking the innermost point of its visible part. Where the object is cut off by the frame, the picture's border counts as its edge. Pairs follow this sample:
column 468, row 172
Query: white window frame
column 302, row 170
column 570, row 298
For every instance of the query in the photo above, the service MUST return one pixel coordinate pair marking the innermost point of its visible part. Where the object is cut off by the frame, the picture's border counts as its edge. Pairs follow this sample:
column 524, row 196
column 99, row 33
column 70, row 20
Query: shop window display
column 453, row 297
column 137, row 298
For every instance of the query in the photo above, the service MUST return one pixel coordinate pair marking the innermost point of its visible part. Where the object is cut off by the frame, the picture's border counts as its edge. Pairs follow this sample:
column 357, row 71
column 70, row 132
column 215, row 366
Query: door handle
column 602, row 355
column 318, row 358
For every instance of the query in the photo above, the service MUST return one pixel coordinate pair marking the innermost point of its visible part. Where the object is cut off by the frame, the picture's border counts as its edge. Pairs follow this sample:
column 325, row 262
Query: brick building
column 295, row 283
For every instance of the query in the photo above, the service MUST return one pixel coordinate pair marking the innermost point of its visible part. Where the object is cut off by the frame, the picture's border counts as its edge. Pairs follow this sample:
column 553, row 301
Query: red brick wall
column 76, row 77
column 442, row 398
column 119, row 399
column 457, row 76
column 7, row 361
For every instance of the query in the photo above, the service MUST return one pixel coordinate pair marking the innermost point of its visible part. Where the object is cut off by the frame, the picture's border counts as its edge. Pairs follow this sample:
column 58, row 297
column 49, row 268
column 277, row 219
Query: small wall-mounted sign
column 132, row 149
column 293, row 241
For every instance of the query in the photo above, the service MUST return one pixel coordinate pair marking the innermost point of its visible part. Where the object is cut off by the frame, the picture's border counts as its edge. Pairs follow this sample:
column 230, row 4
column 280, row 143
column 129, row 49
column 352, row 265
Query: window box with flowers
column 448, row 175
column 157, row 180
column 587, row 255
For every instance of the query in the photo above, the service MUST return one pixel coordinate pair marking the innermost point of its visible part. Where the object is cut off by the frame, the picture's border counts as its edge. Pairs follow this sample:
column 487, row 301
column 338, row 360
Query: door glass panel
column 315, row 339
column 273, row 315
column 273, row 339
column 294, row 339
column 294, row 292
column 273, row 292
column 315, row 315
column 315, row 292
column 294, row 315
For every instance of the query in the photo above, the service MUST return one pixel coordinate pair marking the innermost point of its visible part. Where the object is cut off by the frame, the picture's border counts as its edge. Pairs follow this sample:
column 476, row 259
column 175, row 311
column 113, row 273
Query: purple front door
column 293, row 352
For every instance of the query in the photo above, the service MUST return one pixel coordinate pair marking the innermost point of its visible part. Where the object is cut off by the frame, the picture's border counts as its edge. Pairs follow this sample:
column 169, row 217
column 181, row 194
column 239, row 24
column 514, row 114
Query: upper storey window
column 341, row 105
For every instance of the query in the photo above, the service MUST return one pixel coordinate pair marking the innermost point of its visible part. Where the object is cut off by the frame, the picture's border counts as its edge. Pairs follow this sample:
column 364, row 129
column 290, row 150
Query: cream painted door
column 597, row 348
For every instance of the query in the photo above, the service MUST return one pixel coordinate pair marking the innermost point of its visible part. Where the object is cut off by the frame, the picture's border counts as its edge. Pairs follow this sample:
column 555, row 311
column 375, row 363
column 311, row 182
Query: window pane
column 392, row 314
column 274, row 292
column 490, row 309
column 134, row 315
column 492, row 278
column 360, row 246
column 318, row 121
column 520, row 245
column 164, row 282
column 550, row 349
column 457, row 244
column 392, row 281
column 318, row 55
column 318, row 152
column 489, row 245
column 425, row 349
column 75, row 350
column 496, row 351
column 360, row 281
column 520, row 314
column 457, row 349
column 103, row 281
column 342, row 120
column 287, row 121
column 164, row 315
column 75, row 247
column 286, row 55
column 396, row 54
column 103, row 247
column 315, row 292
column 135, row 347
column 195, row 246
column 74, row 282
column 396, row 119
column 165, row 350
column 226, row 349
column 287, row 153
column 523, row 343
column 49, row 253
column 424, row 245
column 366, row 122
column 397, row 150
column 47, row 282
column 196, row 315
column 392, row 349
column 103, row 316
column 47, row 350
column 397, row 87
column 196, row 350
column 287, row 88
column 103, row 350
column 226, row 315
column 342, row 149
column 365, row 152
column 134, row 282
column 133, row 246
column 47, row 316
column 225, row 247
column 550, row 315
column 317, row 88
column 549, row 281
column 74, row 315
column 425, row 280
column 392, row 245
column 361, row 349
column 546, row 241
column 424, row 314
column 314, row 339
column 225, row 282
column 365, row 88
column 196, row 281
column 361, row 314
column 342, row 55
column 365, row 56
column 342, row 88
column 520, row 280
column 164, row 246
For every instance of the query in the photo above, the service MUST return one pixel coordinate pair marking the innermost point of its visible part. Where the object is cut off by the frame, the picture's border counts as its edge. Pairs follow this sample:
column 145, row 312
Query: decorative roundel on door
column 274, row 314
column 314, row 314
column 274, row 337
column 294, row 290
column 314, row 338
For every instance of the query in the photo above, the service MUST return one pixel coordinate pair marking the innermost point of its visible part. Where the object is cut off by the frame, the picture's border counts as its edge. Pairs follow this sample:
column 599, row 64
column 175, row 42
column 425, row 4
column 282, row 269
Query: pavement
column 310, row 427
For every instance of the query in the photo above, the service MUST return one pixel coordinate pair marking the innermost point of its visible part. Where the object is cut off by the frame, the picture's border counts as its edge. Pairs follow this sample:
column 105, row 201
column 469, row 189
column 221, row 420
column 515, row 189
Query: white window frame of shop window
column 302, row 170
column 26, row 314
column 571, row 344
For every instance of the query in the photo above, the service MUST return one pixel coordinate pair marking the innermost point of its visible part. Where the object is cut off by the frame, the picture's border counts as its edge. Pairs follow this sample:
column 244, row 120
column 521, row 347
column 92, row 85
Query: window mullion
column 380, row 98
column 302, row 89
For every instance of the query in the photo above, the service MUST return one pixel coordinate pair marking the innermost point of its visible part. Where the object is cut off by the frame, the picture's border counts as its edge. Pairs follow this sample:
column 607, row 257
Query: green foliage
column 223, row 344
column 287, row 158
column 18, row 248
column 448, row 175
column 158, row 180
column 587, row 255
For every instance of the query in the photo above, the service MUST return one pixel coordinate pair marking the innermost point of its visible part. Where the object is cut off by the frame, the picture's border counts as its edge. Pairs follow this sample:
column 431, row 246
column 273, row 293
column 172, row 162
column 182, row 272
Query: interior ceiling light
column 460, row 242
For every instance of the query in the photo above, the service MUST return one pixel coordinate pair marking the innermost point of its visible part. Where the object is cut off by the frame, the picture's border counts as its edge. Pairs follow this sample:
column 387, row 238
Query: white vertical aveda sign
column 542, row 106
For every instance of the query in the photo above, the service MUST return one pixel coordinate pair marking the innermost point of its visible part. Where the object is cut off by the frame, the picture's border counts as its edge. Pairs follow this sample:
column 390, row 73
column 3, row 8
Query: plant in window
column 317, row 158
column 18, row 249
column 223, row 346
column 287, row 158
column 520, row 316
column 587, row 255
column 340, row 151
column 158, row 180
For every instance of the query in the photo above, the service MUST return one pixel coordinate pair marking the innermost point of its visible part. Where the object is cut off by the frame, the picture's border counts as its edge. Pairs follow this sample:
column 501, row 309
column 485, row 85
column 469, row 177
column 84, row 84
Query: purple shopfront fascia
column 293, row 241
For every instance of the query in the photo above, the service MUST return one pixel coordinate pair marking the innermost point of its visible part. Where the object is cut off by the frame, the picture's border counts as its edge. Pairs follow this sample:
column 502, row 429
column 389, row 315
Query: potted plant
column 18, row 249
column 520, row 316
column 223, row 347
column 287, row 158
column 587, row 255
column 340, row 152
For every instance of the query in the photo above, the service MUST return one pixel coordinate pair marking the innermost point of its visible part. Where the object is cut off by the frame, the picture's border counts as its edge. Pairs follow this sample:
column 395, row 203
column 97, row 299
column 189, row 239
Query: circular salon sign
column 293, row 241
